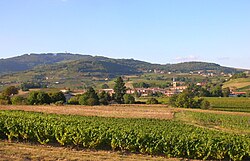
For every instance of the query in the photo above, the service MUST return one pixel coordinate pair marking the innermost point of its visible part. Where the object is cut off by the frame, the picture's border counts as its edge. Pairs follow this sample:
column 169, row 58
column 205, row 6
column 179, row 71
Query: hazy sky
column 158, row 31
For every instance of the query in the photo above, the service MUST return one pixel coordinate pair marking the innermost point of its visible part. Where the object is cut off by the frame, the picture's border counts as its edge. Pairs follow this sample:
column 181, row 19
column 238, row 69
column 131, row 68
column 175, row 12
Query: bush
column 74, row 100
column 89, row 98
column 129, row 99
column 152, row 101
column 38, row 98
column 57, row 96
column 12, row 90
column 104, row 98
column 4, row 100
column 205, row 104
column 186, row 100
column 59, row 103
column 18, row 100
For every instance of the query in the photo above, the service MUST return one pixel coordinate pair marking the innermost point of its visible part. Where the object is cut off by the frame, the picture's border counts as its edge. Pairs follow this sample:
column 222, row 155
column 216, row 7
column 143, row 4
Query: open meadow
column 156, row 130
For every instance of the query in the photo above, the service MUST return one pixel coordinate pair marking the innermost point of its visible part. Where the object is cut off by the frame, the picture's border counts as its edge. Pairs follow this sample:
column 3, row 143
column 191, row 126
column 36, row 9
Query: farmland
column 147, row 136
column 238, row 104
column 132, row 128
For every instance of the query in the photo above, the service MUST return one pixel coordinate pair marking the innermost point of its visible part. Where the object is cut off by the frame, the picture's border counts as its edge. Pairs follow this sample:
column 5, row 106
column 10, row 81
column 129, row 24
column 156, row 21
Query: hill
column 75, row 70
column 101, row 64
column 29, row 61
column 241, row 84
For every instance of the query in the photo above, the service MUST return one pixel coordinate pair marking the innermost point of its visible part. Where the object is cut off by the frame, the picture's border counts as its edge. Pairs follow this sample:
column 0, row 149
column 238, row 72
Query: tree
column 152, row 101
column 204, row 104
column 38, row 98
column 57, row 96
column 74, row 100
column 104, row 98
column 89, row 98
column 4, row 100
column 120, row 90
column 32, row 98
column 12, row 90
column 226, row 92
column 18, row 100
column 239, row 75
column 216, row 91
column 129, row 99
column 43, row 98
column 185, row 100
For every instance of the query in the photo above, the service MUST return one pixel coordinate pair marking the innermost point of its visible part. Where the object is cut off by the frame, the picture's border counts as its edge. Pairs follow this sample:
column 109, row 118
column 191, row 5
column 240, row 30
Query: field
column 13, row 151
column 243, row 84
column 129, row 129
column 237, row 104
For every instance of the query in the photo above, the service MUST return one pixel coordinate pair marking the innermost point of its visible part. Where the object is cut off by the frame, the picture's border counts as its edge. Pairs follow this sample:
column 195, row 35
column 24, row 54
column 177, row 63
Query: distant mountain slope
column 197, row 66
column 77, row 63
column 29, row 61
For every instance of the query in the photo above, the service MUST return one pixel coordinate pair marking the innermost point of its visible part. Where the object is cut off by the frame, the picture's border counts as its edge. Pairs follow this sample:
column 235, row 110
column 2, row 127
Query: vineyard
column 148, row 136
column 223, row 122
column 237, row 104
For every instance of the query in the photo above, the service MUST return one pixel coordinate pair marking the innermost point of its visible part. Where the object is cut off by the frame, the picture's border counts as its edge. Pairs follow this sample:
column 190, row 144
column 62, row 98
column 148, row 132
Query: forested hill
column 87, row 63
column 29, row 61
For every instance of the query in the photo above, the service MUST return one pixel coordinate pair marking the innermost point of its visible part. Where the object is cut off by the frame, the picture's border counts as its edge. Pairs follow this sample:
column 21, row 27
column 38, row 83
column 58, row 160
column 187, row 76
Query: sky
column 157, row 31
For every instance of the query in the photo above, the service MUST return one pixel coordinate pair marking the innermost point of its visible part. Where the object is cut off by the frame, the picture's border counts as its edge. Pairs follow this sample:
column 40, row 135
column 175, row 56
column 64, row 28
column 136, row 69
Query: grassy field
column 236, row 104
column 243, row 84
column 238, row 124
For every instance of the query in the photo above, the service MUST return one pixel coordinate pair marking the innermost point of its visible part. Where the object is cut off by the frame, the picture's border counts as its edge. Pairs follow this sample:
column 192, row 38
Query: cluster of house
column 147, row 91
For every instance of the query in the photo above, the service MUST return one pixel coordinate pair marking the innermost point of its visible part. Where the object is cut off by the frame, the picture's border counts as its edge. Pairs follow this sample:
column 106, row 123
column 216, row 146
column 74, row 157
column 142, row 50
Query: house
column 109, row 90
column 235, row 94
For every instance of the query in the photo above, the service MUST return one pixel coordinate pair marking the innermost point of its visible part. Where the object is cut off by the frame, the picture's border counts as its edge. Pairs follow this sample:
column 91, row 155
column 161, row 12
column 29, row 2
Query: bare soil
column 26, row 152
column 118, row 111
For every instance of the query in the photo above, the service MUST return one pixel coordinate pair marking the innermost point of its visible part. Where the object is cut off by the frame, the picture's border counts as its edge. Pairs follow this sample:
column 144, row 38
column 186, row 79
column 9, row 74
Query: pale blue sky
column 158, row 31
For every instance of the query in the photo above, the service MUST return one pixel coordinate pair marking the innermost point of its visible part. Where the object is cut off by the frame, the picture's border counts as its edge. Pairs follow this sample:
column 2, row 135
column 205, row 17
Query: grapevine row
column 147, row 136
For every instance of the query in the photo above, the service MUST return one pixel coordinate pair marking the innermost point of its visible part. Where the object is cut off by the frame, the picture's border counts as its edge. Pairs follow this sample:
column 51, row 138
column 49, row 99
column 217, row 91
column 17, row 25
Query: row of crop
column 226, row 102
column 148, row 136
column 236, row 123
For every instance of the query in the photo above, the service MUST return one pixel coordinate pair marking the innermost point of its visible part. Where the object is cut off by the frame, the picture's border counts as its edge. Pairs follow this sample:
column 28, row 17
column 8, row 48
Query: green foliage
column 89, row 98
column 187, row 100
column 226, row 92
column 57, row 96
column 119, row 90
column 152, row 101
column 105, row 86
column 129, row 99
column 216, row 91
column 141, row 85
column 147, row 136
column 18, row 100
column 240, row 104
column 12, row 90
column 30, row 85
column 239, row 75
column 204, row 104
column 74, row 100
column 59, row 103
column 233, row 123
column 4, row 100
column 104, row 98
column 38, row 98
